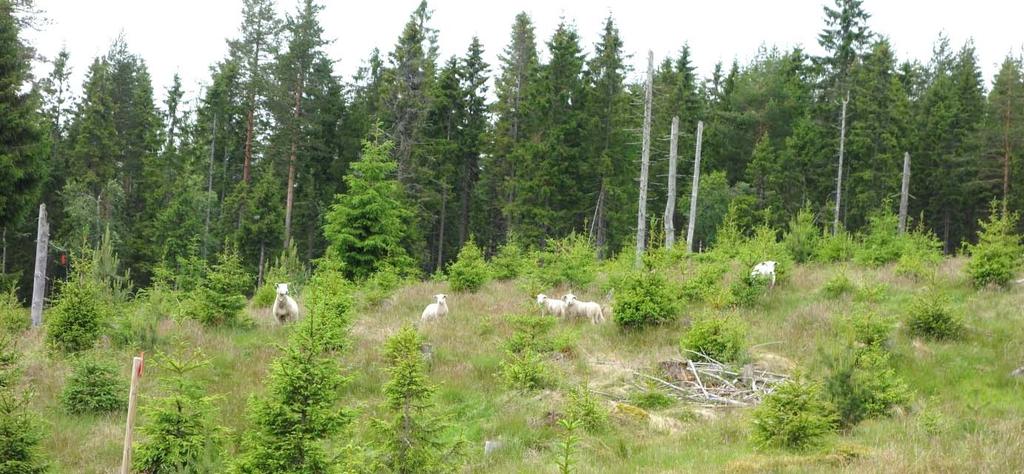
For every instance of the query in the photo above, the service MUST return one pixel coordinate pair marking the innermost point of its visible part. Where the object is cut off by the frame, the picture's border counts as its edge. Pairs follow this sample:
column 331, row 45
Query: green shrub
column 997, row 256
column 75, row 321
column 719, row 338
column 136, row 330
column 13, row 318
column 470, row 271
column 94, row 387
column 329, row 299
column 930, row 317
column 862, row 385
column 704, row 283
column 840, row 247
column 870, row 329
column 802, row 239
column 510, row 261
column 585, row 408
column 920, row 252
column 9, row 370
column 20, row 437
column 530, row 333
column 381, row 285
column 651, row 400
column 838, row 285
column 570, row 261
column 643, row 300
column 747, row 289
column 871, row 293
column 881, row 243
column 525, row 370
column 220, row 298
column 794, row 416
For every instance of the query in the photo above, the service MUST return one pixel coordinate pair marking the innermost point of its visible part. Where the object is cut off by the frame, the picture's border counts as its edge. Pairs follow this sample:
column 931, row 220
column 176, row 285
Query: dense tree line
column 256, row 161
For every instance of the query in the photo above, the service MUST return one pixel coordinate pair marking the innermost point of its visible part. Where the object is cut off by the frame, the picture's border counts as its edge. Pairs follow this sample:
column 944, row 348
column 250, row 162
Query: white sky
column 187, row 36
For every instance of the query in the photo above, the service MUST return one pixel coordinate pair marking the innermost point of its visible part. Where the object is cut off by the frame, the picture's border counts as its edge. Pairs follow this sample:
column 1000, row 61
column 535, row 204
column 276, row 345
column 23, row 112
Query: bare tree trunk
column 440, row 231
column 247, row 160
column 645, row 162
column 946, row 244
column 599, row 226
column 290, row 196
column 839, row 179
column 39, row 277
column 259, row 274
column 209, row 186
column 694, row 187
column 670, row 204
column 905, row 193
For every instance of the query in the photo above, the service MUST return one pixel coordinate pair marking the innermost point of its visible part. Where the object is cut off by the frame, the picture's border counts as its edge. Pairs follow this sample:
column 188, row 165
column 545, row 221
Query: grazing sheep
column 764, row 269
column 437, row 309
column 552, row 306
column 585, row 309
column 285, row 308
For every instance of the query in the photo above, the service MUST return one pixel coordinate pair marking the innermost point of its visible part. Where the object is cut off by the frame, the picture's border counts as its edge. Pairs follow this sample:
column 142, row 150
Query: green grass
column 967, row 414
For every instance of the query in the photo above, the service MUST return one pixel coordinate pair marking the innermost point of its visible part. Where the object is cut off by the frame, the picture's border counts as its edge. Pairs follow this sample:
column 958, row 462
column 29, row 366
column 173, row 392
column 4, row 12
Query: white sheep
column 552, row 306
column 764, row 269
column 437, row 309
column 585, row 309
column 285, row 308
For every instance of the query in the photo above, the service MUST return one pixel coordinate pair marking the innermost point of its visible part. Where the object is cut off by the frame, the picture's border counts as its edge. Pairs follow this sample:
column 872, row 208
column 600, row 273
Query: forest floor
column 966, row 414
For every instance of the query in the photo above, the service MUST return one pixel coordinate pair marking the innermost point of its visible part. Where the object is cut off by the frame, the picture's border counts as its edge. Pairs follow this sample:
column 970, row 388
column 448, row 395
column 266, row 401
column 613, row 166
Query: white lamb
column 437, row 309
column 764, row 269
column 552, row 306
column 285, row 308
column 583, row 309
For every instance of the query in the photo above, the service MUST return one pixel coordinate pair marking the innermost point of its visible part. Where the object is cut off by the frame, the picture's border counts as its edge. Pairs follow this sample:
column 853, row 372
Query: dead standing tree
column 839, row 178
column 670, row 204
column 905, row 193
column 693, row 189
column 645, row 162
column 39, row 277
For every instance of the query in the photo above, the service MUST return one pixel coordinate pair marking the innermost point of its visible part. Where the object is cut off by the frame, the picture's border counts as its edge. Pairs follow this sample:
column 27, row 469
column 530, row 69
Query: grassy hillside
column 966, row 413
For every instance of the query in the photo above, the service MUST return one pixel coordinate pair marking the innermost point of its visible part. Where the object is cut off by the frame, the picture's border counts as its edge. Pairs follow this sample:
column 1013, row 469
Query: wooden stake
column 839, row 180
column 126, row 457
column 670, row 205
column 905, row 193
column 39, row 277
column 693, row 189
column 645, row 162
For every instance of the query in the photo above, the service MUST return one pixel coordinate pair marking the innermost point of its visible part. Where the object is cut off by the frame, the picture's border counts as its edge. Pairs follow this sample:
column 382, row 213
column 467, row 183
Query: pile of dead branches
column 709, row 382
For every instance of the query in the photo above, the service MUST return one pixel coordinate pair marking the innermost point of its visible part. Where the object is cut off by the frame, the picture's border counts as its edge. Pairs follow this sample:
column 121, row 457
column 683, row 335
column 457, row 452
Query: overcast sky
column 187, row 36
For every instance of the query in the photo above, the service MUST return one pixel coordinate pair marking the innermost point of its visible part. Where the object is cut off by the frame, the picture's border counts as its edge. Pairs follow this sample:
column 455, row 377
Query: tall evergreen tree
column 473, row 130
column 1004, row 133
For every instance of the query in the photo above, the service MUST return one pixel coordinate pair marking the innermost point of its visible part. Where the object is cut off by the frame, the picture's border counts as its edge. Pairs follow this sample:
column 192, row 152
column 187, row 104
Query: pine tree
column 473, row 78
column 23, row 168
column 845, row 37
column 414, row 439
column 367, row 226
column 438, row 159
column 1004, row 133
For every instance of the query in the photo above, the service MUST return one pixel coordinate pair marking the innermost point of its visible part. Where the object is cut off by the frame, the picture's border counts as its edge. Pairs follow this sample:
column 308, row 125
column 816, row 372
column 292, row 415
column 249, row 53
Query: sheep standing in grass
column 552, row 306
column 764, row 269
column 583, row 309
column 285, row 308
column 437, row 309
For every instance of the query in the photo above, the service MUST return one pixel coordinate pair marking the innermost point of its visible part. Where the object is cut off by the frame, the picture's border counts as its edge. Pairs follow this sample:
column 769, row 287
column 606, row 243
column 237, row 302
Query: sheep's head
column 282, row 289
column 541, row 297
column 569, row 299
column 441, row 298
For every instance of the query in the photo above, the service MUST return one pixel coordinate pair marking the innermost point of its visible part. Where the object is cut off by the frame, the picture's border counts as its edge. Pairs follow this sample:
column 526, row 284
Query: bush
column 862, row 385
column 997, row 256
column 643, row 300
column 746, row 290
column 13, row 318
column 704, row 283
column 584, row 408
column 530, row 333
column 651, row 400
column 525, row 370
column 871, row 330
column 881, row 243
column 838, row 285
column 76, row 319
column 795, row 416
column 719, row 338
column 328, row 298
column 835, row 248
column 94, row 387
column 20, row 435
column 931, row 318
column 802, row 239
column 379, row 286
column 9, row 371
column 469, row 272
column 510, row 261
column 220, row 297
column 570, row 261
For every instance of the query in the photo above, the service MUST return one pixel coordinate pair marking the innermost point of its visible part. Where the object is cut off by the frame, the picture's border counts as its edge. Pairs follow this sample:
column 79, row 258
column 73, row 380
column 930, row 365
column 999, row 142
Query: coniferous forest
column 172, row 218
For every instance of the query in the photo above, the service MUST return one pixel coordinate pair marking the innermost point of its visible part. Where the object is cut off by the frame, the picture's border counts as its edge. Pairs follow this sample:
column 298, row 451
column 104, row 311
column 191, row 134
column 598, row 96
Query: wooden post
column 693, row 189
column 645, row 162
column 905, row 193
column 670, row 205
column 839, row 179
column 133, row 392
column 39, row 277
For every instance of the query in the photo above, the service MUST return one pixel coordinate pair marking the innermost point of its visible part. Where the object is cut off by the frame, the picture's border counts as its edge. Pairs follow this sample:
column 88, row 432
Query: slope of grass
column 967, row 414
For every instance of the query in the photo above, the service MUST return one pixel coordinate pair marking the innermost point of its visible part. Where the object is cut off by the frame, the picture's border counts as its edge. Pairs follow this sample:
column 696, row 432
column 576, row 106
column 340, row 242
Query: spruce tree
column 1003, row 133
